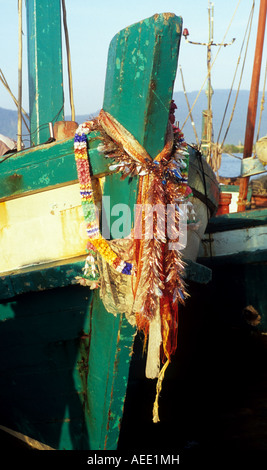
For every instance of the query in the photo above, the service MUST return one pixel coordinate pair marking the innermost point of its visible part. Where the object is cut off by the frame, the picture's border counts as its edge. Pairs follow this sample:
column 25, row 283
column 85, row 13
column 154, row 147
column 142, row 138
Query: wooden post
column 141, row 69
column 44, row 67
column 253, row 102
column 19, row 139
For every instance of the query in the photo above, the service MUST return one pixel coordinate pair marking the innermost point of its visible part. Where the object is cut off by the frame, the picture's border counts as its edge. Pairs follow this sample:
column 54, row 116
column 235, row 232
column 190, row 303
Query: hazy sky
column 92, row 25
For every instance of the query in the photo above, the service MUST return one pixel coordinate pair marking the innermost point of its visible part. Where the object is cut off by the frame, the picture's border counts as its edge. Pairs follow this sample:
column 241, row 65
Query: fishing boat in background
column 65, row 358
column 235, row 244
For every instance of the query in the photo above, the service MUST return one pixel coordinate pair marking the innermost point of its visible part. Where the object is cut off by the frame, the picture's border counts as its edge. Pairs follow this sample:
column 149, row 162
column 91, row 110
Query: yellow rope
column 162, row 371
column 158, row 389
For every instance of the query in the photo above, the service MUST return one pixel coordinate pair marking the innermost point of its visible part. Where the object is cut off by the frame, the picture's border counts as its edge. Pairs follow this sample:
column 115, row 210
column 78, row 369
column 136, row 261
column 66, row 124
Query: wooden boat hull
column 235, row 248
column 205, row 200
column 64, row 359
column 57, row 385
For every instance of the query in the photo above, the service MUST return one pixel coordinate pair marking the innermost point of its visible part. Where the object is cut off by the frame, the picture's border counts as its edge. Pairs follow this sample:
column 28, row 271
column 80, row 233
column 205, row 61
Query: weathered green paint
column 40, row 278
column 237, row 220
column 140, row 75
column 71, row 396
column 63, row 273
column 49, row 165
column 111, row 343
column 42, row 347
column 44, row 67
column 44, row 167
column 150, row 87
column 50, row 361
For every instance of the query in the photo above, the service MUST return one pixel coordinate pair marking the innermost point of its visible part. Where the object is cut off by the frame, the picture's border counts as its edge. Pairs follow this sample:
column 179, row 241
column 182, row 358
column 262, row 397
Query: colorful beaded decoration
column 88, row 203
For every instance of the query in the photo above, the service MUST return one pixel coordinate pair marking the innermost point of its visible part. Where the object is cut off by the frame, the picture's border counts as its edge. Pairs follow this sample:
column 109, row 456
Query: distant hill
column 8, row 123
column 8, row 118
column 236, row 132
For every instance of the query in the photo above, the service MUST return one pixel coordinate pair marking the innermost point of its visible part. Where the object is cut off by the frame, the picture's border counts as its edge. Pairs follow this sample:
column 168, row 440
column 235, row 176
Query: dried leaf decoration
column 157, row 268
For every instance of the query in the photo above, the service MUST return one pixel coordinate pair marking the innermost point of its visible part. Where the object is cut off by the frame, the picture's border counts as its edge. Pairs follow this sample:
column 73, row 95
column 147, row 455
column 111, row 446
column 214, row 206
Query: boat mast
column 209, row 90
column 253, row 102
column 207, row 125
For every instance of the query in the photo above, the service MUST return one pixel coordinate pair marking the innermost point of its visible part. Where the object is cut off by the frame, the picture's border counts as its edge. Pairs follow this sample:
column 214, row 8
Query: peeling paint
column 167, row 16
column 118, row 63
column 45, row 179
column 178, row 29
column 14, row 182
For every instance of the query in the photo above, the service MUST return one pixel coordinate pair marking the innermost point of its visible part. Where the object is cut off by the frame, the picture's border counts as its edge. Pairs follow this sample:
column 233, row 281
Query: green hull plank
column 44, row 167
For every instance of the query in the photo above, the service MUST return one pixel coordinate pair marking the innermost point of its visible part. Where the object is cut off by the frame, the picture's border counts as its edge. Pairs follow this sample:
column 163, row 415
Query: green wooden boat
column 64, row 359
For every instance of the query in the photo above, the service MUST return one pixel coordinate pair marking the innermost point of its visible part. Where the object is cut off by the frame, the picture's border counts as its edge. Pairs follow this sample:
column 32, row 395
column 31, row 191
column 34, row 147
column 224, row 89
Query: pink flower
column 94, row 285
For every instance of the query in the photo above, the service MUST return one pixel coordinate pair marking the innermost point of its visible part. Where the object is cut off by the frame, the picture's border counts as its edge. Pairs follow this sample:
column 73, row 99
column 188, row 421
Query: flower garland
column 88, row 204
column 142, row 165
column 157, row 270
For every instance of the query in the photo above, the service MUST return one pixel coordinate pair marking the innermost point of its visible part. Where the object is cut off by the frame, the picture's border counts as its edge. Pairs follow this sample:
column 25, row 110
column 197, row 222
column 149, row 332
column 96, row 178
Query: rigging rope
column 249, row 27
column 68, row 60
column 4, row 82
column 212, row 64
column 262, row 102
column 32, row 133
column 188, row 105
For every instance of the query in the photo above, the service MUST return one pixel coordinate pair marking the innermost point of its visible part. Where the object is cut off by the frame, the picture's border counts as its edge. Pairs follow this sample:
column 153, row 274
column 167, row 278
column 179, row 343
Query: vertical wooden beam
column 141, row 70
column 140, row 75
column 46, row 98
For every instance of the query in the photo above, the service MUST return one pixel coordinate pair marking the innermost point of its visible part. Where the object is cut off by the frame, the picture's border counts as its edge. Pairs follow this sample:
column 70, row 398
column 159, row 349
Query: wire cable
column 221, row 45
column 249, row 27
